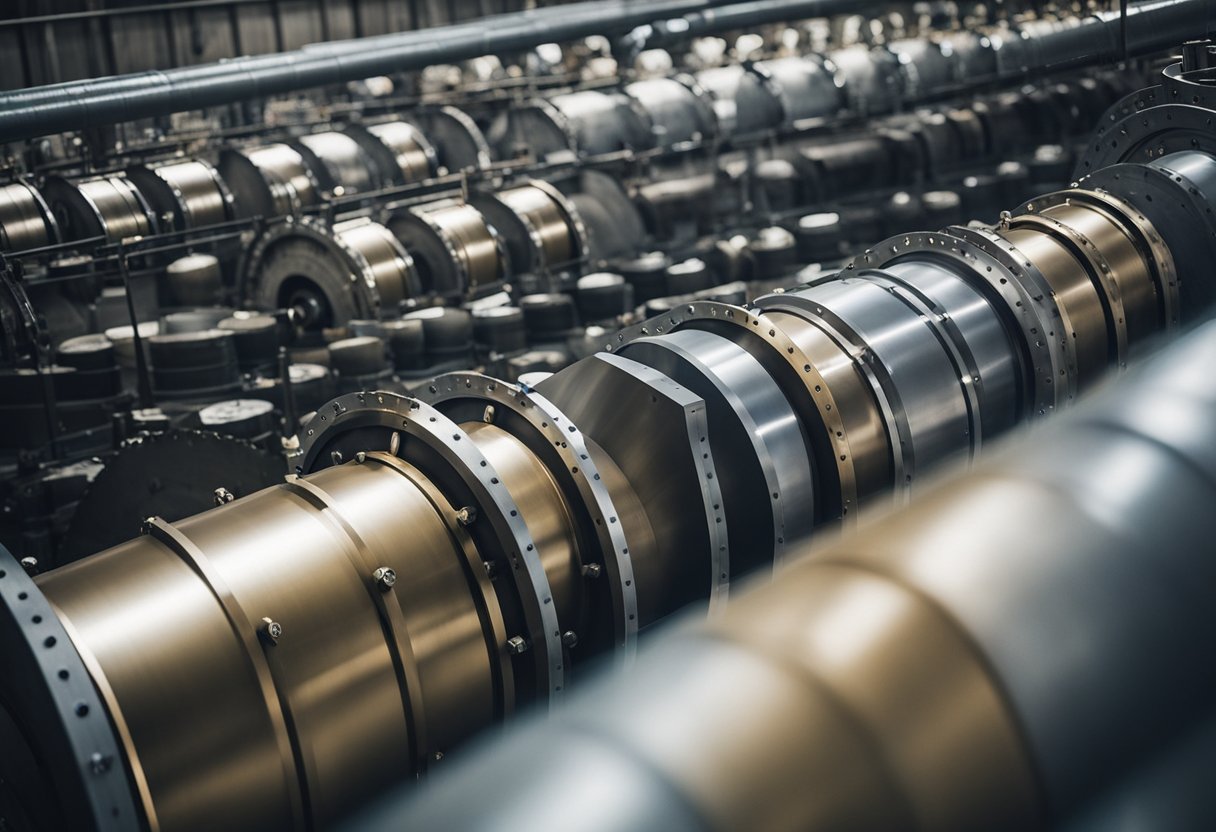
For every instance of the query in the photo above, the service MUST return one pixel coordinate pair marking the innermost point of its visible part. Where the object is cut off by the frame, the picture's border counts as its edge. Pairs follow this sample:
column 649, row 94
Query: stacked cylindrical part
column 480, row 543
column 1025, row 648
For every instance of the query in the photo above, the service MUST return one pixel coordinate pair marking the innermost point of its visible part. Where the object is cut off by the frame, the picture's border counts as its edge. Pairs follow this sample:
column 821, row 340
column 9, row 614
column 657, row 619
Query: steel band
column 413, row 157
column 339, row 163
column 25, row 222
column 290, row 754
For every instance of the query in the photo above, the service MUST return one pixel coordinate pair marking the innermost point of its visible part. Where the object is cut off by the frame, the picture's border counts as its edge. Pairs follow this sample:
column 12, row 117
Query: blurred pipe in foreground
column 1029, row 645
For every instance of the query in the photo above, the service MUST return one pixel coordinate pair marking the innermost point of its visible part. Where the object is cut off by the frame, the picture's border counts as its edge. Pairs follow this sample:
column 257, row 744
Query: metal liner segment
column 191, row 191
column 1152, row 249
column 560, row 445
column 765, row 427
column 269, row 181
column 541, row 216
column 356, row 269
column 805, row 390
column 108, row 206
column 277, row 707
column 952, row 340
column 457, row 252
column 389, row 609
column 341, row 425
column 403, row 154
column 25, row 219
column 1098, row 270
column 340, row 163
column 883, row 393
column 489, row 611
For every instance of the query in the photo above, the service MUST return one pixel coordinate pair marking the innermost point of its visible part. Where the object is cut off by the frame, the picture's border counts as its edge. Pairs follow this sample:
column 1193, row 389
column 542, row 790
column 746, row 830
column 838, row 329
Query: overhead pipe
column 1039, row 45
column 82, row 104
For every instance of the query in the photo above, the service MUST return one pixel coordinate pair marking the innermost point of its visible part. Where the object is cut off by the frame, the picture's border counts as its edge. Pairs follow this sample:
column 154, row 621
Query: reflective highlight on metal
column 326, row 275
column 190, row 193
column 105, row 206
column 457, row 252
column 269, row 181
column 25, row 220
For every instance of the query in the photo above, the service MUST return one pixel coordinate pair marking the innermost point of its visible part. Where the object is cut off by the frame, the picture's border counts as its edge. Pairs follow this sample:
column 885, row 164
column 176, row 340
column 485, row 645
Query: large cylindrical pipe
column 1027, row 647
column 471, row 579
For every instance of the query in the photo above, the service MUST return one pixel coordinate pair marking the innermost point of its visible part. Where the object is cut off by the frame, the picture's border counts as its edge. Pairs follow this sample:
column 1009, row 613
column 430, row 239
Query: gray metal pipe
column 1027, row 646
column 81, row 104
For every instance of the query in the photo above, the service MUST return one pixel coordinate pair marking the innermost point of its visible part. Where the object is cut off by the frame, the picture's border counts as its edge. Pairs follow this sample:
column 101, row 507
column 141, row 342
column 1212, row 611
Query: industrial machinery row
column 544, row 368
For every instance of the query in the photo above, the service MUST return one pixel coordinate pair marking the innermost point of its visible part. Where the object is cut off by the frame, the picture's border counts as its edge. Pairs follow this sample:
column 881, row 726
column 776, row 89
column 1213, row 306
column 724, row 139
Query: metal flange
column 1019, row 293
column 47, row 693
column 561, row 447
column 429, row 440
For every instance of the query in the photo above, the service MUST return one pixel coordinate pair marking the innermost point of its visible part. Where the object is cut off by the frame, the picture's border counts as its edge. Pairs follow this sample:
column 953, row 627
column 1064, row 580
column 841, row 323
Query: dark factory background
column 607, row 415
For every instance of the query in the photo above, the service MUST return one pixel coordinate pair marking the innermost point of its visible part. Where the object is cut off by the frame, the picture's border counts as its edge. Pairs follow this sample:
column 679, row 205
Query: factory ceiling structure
column 607, row 415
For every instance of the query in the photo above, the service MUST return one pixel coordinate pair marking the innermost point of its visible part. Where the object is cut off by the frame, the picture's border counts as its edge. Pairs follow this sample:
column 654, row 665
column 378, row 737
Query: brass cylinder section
column 922, row 673
column 300, row 720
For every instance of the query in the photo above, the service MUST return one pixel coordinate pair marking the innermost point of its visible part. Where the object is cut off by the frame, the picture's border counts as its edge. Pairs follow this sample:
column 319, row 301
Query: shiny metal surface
column 269, row 181
column 413, row 157
column 330, row 275
column 982, row 351
column 191, row 191
column 1074, row 291
column 1120, row 269
column 540, row 227
column 25, row 220
column 564, row 499
column 455, row 251
column 754, row 435
column 924, row 401
column 387, row 268
column 669, row 491
column 340, row 163
column 104, row 206
column 806, row 87
column 950, row 666
column 677, row 110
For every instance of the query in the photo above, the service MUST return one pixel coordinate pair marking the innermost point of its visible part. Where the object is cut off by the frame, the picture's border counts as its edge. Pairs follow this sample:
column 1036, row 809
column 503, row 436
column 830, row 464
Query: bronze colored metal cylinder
column 1076, row 293
column 312, row 721
column 542, row 507
column 863, row 425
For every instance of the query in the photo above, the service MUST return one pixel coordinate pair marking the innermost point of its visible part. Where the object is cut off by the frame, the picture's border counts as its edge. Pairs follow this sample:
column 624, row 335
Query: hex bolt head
column 394, row 443
column 223, row 496
column 100, row 763
column 517, row 645
column 336, row 457
column 570, row 639
column 592, row 570
column 385, row 578
column 491, row 569
column 271, row 630
column 30, row 565
column 361, row 457
column 488, row 415
column 466, row 515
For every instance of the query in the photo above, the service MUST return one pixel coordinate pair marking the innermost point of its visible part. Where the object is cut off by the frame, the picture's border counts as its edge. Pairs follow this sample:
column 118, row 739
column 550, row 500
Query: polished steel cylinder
column 1025, row 647
column 25, row 220
column 190, row 193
